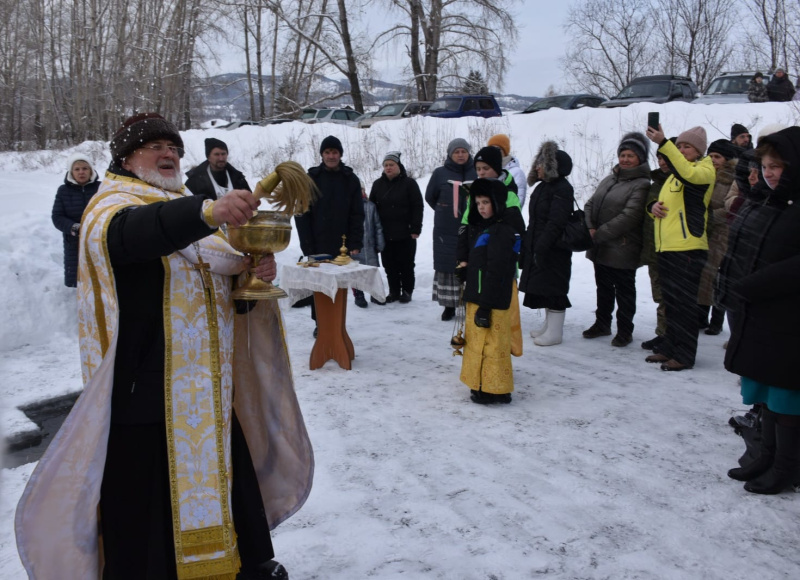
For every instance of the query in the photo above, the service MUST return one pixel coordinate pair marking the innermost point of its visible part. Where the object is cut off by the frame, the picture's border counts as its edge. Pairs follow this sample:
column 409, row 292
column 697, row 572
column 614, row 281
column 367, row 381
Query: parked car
column 729, row 87
column 237, row 124
column 340, row 116
column 564, row 102
column 655, row 89
column 451, row 106
column 395, row 111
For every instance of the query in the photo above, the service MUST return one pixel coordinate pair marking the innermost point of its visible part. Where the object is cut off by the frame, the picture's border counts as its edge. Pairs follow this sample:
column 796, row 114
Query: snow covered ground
column 602, row 467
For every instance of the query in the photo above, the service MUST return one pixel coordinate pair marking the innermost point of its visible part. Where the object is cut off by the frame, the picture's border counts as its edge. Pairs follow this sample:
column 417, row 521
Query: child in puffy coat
column 489, row 260
column 373, row 244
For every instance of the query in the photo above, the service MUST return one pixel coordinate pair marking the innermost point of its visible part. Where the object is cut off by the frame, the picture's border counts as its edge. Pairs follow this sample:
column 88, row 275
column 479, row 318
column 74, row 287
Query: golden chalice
column 292, row 191
column 267, row 232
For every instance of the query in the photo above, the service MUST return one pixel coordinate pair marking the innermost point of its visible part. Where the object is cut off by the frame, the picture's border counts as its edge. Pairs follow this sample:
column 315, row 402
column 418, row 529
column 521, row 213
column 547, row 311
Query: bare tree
column 445, row 39
column 695, row 37
column 769, row 18
column 611, row 43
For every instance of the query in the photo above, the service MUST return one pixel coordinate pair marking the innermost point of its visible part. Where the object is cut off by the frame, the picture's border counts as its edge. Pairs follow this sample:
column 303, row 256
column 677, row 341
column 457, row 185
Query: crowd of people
column 182, row 478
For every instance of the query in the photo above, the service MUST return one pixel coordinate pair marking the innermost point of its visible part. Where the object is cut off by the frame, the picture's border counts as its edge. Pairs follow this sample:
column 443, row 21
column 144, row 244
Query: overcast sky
column 534, row 61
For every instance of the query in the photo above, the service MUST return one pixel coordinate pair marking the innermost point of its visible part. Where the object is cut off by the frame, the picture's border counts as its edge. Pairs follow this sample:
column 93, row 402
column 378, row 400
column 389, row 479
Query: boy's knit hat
column 492, row 157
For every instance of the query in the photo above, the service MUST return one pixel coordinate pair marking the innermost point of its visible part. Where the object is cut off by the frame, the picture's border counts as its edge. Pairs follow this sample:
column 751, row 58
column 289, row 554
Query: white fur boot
column 537, row 332
column 555, row 329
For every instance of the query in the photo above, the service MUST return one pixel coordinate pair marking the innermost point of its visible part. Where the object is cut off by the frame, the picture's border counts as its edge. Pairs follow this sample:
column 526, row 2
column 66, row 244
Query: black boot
column 449, row 313
column 717, row 318
column 782, row 472
column 270, row 570
column 767, row 451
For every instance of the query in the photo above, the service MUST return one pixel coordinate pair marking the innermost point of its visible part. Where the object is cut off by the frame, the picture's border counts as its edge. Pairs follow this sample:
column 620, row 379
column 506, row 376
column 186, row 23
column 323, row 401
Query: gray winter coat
column 616, row 211
column 373, row 236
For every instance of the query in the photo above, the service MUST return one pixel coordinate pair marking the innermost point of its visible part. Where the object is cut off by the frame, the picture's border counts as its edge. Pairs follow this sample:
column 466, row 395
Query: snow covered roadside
column 602, row 467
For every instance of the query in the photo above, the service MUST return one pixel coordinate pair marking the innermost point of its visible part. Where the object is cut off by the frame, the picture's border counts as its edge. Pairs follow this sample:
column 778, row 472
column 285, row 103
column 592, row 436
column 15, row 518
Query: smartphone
column 652, row 120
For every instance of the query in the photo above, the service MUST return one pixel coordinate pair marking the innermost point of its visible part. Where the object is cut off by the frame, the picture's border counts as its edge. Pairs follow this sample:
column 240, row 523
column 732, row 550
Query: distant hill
column 226, row 96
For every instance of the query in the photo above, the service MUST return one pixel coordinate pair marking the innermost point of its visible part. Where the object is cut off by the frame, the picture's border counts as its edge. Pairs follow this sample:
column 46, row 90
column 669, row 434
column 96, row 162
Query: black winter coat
column 546, row 268
column 199, row 182
column 338, row 211
column 780, row 89
column 439, row 196
column 400, row 207
column 137, row 239
column 492, row 250
column 71, row 201
column 764, row 245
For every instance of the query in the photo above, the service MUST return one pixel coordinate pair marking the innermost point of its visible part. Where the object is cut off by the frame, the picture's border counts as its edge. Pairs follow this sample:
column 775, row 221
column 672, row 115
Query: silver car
column 340, row 116
column 729, row 87
column 395, row 111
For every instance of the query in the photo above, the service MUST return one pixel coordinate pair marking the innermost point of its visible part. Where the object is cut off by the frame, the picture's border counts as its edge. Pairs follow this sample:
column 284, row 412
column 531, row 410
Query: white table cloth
column 300, row 282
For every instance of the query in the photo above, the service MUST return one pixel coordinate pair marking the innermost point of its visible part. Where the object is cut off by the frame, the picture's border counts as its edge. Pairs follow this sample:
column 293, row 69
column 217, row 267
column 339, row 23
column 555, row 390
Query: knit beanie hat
column 138, row 130
column 758, row 75
column 331, row 142
column 636, row 142
column 725, row 148
column 492, row 157
column 502, row 141
column 212, row 143
column 737, row 129
column 457, row 143
column 393, row 156
column 696, row 137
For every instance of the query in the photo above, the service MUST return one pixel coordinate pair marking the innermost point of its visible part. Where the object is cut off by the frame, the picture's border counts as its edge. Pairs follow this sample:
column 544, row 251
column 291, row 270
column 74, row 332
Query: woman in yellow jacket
column 681, row 242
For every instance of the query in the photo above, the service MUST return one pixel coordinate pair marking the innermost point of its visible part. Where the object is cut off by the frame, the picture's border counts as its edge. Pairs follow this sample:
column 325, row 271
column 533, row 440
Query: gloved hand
column 461, row 273
column 483, row 318
column 75, row 229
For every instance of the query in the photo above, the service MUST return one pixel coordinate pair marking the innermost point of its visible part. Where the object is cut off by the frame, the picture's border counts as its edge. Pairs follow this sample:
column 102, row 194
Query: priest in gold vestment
column 187, row 444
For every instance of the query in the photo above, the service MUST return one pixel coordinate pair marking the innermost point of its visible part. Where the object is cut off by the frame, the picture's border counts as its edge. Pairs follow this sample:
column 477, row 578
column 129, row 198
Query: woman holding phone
column 681, row 240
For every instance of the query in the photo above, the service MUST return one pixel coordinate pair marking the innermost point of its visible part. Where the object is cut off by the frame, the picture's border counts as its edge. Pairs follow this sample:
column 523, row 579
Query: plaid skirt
column 446, row 289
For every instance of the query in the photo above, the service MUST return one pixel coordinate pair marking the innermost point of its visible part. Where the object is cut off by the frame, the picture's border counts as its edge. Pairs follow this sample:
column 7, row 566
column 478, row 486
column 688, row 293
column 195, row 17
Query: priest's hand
column 267, row 269
column 235, row 208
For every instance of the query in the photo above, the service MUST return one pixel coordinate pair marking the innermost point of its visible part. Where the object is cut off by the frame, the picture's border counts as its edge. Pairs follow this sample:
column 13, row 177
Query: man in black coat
column 214, row 177
column 338, row 211
column 780, row 88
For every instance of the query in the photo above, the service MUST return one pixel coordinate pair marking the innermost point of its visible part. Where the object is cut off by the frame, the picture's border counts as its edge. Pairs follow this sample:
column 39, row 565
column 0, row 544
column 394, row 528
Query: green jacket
column 686, row 195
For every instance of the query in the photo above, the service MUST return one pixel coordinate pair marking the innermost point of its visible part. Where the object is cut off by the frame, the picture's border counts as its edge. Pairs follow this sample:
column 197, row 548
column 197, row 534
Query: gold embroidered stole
column 198, row 330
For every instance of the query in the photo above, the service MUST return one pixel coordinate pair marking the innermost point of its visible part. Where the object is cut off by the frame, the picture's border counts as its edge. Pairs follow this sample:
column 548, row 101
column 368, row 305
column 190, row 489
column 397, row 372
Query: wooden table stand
column 333, row 342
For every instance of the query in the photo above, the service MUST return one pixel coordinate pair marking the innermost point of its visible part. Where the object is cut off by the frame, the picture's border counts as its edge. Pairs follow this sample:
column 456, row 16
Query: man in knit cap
column 511, row 164
column 215, row 177
column 339, row 210
column 154, row 458
column 681, row 240
column 741, row 137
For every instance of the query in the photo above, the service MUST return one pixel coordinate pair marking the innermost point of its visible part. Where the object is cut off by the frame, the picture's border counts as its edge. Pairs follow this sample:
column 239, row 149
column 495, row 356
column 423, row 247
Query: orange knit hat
column 502, row 141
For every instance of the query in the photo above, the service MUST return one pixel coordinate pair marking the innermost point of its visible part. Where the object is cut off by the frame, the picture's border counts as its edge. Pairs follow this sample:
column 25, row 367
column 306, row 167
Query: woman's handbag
column 576, row 236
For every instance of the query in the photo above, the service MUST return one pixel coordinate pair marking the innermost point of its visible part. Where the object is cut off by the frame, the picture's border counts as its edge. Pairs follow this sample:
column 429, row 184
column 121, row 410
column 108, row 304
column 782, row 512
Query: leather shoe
column 405, row 297
column 657, row 358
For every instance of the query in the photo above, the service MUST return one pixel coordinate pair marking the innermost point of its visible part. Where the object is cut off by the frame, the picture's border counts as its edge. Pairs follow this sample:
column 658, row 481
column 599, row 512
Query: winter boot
column 537, row 332
column 653, row 343
column 622, row 339
column 361, row 302
column 717, row 318
column 448, row 313
column 787, row 454
column 597, row 329
column 555, row 329
column 405, row 297
column 767, row 451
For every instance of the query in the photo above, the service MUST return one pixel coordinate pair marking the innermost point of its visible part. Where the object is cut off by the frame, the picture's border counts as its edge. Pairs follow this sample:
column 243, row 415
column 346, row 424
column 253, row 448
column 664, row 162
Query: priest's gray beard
column 154, row 178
